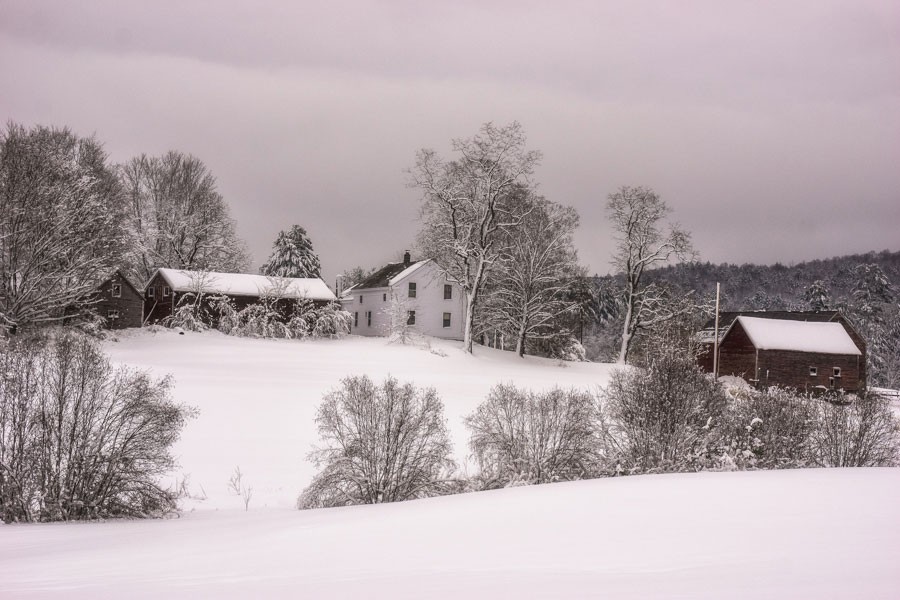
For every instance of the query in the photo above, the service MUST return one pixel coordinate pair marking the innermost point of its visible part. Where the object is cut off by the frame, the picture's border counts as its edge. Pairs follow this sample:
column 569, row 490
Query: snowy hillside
column 786, row 534
column 781, row 534
column 258, row 398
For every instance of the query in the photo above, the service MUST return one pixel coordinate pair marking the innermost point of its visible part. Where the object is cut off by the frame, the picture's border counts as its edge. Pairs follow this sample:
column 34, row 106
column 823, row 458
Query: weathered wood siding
column 128, row 305
column 792, row 369
column 737, row 354
column 157, row 306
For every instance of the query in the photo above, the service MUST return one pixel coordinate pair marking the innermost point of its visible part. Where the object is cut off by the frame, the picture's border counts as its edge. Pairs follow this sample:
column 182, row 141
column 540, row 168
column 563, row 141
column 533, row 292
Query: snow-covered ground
column 781, row 534
column 787, row 534
column 258, row 398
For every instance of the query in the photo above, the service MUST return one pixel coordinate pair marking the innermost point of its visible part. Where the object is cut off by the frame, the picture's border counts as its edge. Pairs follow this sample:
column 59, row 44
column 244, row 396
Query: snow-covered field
column 814, row 534
column 789, row 534
column 258, row 398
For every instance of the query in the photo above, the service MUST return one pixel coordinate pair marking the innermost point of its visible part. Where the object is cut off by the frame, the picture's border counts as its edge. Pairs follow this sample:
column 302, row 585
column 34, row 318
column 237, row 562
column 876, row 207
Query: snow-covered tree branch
column 642, row 244
column 469, row 202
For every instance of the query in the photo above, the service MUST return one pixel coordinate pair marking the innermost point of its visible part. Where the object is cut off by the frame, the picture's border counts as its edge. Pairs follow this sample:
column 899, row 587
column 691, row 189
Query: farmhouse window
column 151, row 292
column 356, row 319
column 837, row 372
column 384, row 297
column 411, row 318
column 117, row 290
column 368, row 318
column 113, row 314
column 446, row 319
column 360, row 299
column 813, row 371
column 412, row 290
column 448, row 291
column 167, row 291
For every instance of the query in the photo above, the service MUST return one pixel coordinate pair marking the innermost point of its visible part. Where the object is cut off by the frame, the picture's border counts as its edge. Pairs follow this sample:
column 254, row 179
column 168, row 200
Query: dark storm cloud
column 771, row 128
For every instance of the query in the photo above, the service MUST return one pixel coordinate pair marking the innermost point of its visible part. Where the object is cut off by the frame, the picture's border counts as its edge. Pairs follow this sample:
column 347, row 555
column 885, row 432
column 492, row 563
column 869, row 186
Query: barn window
column 836, row 371
column 167, row 291
column 151, row 292
column 411, row 317
column 813, row 371
column 412, row 290
column 448, row 291
column 446, row 319
column 117, row 290
column 368, row 318
column 356, row 319
column 112, row 314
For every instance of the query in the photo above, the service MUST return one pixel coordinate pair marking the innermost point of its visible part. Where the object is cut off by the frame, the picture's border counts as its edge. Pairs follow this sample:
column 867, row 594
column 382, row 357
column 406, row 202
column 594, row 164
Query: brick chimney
column 406, row 258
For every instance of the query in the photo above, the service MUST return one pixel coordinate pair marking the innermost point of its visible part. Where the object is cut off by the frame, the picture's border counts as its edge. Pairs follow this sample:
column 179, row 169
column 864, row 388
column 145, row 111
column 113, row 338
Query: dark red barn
column 119, row 302
column 803, row 354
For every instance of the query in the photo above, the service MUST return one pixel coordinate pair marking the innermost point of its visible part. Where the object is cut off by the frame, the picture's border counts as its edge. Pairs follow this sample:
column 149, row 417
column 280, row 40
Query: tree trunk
column 626, row 333
column 520, row 340
column 470, row 320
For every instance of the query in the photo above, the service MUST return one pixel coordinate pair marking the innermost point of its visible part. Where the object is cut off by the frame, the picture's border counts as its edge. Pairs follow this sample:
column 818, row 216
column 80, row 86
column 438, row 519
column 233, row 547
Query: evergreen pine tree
column 816, row 296
column 292, row 256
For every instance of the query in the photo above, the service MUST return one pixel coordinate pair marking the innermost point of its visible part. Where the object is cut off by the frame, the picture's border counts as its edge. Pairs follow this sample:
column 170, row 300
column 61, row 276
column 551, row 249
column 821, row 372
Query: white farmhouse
column 414, row 292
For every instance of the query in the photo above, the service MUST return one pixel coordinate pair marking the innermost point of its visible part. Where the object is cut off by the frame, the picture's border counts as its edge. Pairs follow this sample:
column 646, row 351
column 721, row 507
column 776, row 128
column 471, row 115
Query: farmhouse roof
column 241, row 284
column 799, row 336
column 388, row 275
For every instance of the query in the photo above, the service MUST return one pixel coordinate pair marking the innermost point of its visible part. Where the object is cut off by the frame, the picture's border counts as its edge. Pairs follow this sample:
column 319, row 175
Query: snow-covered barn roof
column 799, row 336
column 241, row 284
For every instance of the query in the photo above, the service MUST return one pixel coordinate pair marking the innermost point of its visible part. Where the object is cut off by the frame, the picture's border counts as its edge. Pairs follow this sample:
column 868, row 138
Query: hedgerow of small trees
column 80, row 438
column 383, row 442
column 519, row 437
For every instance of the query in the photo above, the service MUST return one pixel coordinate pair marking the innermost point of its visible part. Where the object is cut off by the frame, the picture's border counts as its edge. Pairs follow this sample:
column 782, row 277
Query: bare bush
column 237, row 487
column 381, row 443
column 663, row 414
column 769, row 429
column 522, row 437
column 79, row 438
column 861, row 433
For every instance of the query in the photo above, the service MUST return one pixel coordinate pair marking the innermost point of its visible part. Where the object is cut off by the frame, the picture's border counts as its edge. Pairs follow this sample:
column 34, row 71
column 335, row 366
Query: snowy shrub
column 381, row 443
column 187, row 315
column 856, row 432
column 768, row 429
column 519, row 437
column 663, row 415
column 271, row 319
column 79, row 438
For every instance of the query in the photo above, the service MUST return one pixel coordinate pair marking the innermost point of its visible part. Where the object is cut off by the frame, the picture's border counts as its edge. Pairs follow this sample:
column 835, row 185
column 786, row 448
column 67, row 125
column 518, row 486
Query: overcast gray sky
column 771, row 128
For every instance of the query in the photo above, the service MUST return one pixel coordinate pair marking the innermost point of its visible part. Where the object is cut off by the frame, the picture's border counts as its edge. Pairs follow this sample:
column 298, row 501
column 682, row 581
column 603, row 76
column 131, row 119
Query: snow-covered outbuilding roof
column 242, row 284
column 799, row 336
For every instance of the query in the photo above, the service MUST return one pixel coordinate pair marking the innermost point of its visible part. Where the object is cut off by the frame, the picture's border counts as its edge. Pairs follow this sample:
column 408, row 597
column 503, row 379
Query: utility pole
column 716, row 338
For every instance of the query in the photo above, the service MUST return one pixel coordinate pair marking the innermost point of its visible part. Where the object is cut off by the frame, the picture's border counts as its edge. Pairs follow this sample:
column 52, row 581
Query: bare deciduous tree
column 537, row 267
column 642, row 243
column 178, row 217
column 467, row 204
column 522, row 437
column 61, row 226
column 79, row 438
column 381, row 443
column 661, row 414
